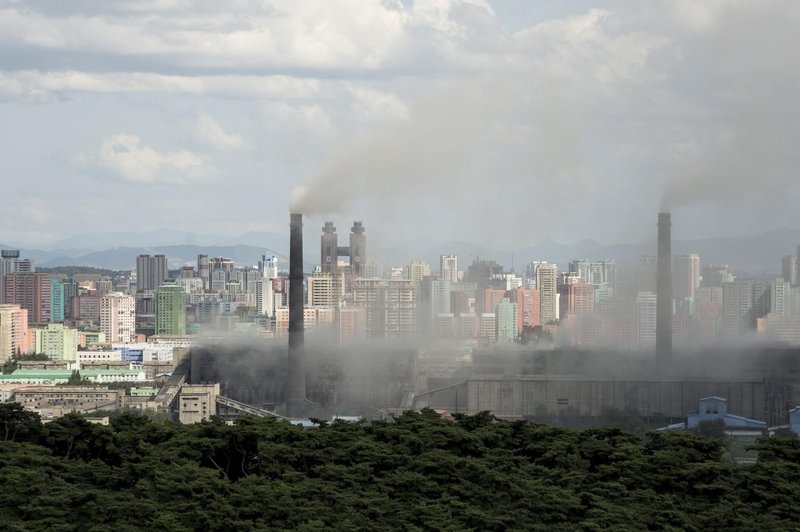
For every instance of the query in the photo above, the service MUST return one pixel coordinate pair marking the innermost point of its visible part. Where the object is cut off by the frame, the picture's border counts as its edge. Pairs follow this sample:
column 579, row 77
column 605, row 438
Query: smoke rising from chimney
column 456, row 139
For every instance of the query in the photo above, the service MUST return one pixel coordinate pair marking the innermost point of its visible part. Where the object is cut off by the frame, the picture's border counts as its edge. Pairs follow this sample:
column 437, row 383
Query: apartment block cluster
column 350, row 297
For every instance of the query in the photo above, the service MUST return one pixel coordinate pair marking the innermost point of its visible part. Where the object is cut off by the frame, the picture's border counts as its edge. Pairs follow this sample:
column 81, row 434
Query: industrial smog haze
column 438, row 264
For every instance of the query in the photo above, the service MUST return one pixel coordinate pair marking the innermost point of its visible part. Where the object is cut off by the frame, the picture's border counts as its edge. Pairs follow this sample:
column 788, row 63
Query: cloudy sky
column 502, row 122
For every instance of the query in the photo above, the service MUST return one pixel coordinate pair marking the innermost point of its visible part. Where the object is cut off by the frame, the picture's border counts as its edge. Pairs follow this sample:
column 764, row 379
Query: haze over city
column 512, row 121
column 399, row 265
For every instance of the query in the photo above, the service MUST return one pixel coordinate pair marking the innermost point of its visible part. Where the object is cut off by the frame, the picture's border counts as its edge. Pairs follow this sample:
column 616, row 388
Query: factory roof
column 57, row 373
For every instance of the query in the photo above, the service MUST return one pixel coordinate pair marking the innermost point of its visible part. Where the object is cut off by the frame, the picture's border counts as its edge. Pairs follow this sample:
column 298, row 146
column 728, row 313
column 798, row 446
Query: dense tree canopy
column 419, row 472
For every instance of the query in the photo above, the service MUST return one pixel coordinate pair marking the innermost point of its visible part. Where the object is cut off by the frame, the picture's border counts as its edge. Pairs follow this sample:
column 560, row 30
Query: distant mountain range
column 759, row 254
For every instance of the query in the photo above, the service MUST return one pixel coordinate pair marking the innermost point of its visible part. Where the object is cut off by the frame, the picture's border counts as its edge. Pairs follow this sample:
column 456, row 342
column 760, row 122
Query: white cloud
column 310, row 118
column 124, row 156
column 210, row 133
column 375, row 105
column 35, row 85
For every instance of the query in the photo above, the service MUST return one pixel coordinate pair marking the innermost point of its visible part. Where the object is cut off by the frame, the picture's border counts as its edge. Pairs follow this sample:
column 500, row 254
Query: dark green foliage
column 420, row 472
column 75, row 379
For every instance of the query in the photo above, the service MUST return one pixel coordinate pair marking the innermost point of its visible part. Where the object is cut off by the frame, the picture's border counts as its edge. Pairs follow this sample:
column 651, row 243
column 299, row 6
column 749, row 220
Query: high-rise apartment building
column 13, row 331
column 646, row 319
column 646, row 273
column 204, row 271
column 545, row 275
column 716, row 276
column 104, row 285
column 417, row 270
column 789, row 269
column 576, row 297
column 433, row 299
column 400, row 304
column 170, row 310
column 506, row 319
column 390, row 306
column 118, row 317
column 583, row 269
column 151, row 271
column 31, row 291
column 352, row 324
column 265, row 297
column 527, row 307
column 322, row 290
column 11, row 263
column 448, row 268
column 57, row 300
column 268, row 267
column 685, row 280
column 738, row 309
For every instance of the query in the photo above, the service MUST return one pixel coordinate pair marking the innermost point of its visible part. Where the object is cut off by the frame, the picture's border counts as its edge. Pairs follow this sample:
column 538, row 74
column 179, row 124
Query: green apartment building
column 170, row 310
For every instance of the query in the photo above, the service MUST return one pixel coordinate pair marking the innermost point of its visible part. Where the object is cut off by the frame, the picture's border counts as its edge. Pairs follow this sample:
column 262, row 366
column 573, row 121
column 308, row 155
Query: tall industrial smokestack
column 664, row 295
column 296, row 392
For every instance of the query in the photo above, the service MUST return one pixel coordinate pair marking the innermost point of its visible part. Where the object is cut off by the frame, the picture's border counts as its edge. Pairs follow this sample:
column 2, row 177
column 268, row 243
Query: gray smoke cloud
column 434, row 148
column 746, row 84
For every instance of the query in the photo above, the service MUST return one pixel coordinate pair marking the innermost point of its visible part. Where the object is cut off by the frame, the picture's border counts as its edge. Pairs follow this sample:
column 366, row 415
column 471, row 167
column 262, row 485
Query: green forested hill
column 420, row 472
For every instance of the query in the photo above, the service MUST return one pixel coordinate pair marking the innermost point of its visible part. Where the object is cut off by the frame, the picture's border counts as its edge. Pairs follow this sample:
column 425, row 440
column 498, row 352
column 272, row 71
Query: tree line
column 419, row 472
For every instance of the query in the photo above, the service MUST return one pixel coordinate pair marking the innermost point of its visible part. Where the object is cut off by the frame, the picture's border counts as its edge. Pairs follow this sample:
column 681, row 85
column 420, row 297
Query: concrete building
column 390, row 305
column 358, row 248
column 104, row 285
column 418, row 270
column 448, row 268
column 352, row 324
column 527, row 305
column 784, row 329
column 467, row 325
column 118, row 317
column 506, row 320
column 86, row 307
column 204, row 271
column 60, row 376
column 738, row 306
column 491, row 297
column 197, row 402
column 314, row 318
column 57, row 300
column 10, row 262
column 56, row 341
column 487, row 326
column 94, row 357
column 708, row 307
column 686, row 279
column 54, row 401
column 545, row 277
column 576, row 297
column 646, row 319
column 789, row 269
column 170, row 310
column 265, row 297
column 400, row 305
column 716, row 276
column 31, row 291
column 268, row 267
column 151, row 271
column 13, row 331
column 433, row 299
column 330, row 251
column 322, row 290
